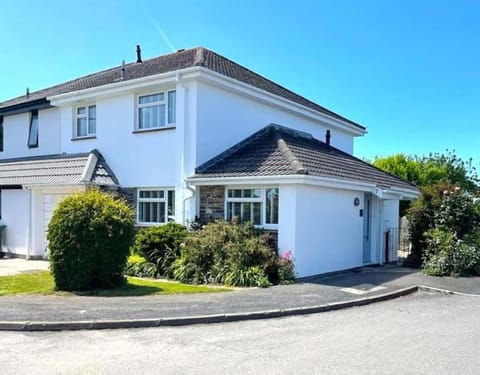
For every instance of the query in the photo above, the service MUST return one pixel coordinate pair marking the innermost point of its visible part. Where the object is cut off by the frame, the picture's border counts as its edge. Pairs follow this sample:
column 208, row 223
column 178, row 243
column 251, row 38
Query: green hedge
column 89, row 236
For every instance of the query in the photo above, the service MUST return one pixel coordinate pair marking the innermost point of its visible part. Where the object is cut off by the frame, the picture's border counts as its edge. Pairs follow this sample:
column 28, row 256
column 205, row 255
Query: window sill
column 149, row 130
column 84, row 138
column 139, row 224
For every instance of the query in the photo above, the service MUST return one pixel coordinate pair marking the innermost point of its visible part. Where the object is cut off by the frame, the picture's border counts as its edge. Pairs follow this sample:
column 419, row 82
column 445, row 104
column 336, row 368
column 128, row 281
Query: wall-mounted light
column 356, row 202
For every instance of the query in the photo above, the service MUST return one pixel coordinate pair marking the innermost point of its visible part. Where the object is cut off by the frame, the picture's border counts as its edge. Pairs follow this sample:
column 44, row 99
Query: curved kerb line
column 202, row 319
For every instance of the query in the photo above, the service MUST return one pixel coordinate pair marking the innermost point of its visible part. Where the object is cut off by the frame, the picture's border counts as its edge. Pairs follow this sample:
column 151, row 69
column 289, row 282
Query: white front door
column 50, row 202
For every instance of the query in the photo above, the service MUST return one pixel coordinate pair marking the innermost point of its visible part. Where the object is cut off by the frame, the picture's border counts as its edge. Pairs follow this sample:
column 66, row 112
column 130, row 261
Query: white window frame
column 165, row 101
column 32, row 115
column 76, row 116
column 165, row 190
column 262, row 200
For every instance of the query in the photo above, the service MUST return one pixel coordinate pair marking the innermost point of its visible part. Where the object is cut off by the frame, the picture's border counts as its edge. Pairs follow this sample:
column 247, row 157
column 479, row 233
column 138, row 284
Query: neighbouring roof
column 279, row 151
column 65, row 169
column 181, row 59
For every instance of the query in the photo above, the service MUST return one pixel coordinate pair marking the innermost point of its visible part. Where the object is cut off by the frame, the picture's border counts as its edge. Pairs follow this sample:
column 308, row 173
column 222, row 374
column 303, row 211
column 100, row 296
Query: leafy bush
column 89, row 239
column 160, row 245
column 457, row 213
column 446, row 254
column 226, row 253
column 140, row 267
column 286, row 268
column 443, row 207
column 250, row 276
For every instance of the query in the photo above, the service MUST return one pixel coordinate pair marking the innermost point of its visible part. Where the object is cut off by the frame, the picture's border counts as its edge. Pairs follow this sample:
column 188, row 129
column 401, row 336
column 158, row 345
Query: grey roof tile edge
column 203, row 170
column 200, row 56
column 100, row 163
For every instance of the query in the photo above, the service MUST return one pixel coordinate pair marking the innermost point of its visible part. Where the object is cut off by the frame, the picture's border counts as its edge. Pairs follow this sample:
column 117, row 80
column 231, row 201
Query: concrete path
column 312, row 295
column 12, row 266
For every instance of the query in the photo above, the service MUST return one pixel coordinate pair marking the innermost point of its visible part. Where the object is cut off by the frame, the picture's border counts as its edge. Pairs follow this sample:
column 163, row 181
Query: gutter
column 25, row 107
column 282, row 179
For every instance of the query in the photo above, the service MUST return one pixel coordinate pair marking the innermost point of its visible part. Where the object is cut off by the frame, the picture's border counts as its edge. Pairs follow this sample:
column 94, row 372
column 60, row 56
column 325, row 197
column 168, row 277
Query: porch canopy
column 56, row 170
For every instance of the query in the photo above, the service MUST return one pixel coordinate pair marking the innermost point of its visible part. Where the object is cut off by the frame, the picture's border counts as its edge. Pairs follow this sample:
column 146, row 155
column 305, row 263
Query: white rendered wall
column 225, row 118
column 322, row 228
column 15, row 216
column 137, row 159
column 154, row 159
column 16, row 129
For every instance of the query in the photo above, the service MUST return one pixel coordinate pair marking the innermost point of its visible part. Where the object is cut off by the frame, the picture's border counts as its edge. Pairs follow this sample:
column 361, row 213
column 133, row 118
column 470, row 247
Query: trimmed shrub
column 89, row 236
column 140, row 267
column 232, row 254
column 447, row 255
column 160, row 245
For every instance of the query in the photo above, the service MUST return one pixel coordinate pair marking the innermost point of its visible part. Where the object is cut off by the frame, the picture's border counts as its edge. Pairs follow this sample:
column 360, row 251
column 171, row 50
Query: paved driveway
column 12, row 266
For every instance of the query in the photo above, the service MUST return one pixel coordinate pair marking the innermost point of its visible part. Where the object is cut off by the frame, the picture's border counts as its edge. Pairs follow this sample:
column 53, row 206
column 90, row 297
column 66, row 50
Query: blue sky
column 407, row 70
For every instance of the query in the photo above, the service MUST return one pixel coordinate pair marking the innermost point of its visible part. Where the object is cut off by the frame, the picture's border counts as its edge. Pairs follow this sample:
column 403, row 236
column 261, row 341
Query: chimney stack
column 123, row 69
column 27, row 92
column 327, row 137
column 139, row 54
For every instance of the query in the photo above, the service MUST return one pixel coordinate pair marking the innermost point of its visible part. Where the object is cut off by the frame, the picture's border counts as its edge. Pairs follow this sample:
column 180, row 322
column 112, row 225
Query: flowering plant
column 286, row 268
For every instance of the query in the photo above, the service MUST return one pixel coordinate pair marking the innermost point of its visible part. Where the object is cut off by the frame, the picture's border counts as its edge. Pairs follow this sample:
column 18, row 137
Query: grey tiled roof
column 56, row 170
column 171, row 62
column 278, row 151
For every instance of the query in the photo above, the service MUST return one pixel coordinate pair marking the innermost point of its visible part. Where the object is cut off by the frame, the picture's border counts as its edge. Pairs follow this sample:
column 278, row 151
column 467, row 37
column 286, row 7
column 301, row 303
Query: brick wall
column 212, row 203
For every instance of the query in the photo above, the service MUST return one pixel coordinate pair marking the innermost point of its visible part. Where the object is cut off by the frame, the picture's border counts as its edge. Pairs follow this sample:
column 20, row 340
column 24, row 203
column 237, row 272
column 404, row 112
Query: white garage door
column 50, row 202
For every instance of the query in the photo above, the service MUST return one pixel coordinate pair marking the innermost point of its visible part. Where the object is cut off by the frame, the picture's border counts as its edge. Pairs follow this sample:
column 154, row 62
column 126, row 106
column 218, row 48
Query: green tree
column 401, row 165
column 431, row 170
column 433, row 174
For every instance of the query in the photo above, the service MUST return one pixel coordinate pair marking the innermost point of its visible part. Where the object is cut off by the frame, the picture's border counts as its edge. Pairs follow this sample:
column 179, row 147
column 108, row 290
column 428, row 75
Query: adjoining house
column 190, row 134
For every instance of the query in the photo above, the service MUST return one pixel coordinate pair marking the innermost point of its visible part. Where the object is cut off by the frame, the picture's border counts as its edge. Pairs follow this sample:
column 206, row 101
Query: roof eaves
column 23, row 107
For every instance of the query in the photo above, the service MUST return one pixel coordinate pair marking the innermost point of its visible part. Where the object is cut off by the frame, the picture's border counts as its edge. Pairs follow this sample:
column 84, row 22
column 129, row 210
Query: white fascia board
column 397, row 194
column 278, row 180
column 56, row 188
column 245, row 89
column 89, row 168
column 210, row 77
column 116, row 88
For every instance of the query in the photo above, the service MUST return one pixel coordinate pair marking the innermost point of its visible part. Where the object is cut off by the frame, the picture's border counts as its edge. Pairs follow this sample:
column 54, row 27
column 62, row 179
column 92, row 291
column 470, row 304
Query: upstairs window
column 155, row 206
column 33, row 131
column 156, row 110
column 258, row 206
column 1, row 134
column 86, row 121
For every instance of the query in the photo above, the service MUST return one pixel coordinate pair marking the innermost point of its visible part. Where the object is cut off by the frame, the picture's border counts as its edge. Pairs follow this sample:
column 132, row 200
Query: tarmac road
column 425, row 333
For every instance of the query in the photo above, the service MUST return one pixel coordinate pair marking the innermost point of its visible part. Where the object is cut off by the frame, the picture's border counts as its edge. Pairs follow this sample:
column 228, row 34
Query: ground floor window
column 258, row 206
column 155, row 206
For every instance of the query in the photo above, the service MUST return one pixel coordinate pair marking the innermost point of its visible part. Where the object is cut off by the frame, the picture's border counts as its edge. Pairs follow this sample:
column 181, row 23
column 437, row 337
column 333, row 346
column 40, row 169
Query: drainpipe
column 184, row 208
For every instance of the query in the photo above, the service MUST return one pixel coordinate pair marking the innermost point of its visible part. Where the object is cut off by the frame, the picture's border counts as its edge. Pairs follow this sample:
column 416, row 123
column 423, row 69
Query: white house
column 190, row 134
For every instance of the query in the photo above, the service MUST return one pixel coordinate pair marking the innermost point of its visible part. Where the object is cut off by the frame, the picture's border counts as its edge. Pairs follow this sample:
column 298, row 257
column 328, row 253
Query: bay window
column 259, row 206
